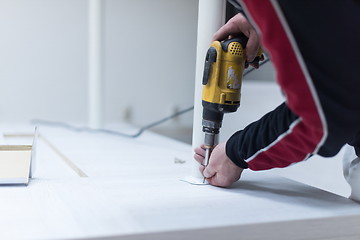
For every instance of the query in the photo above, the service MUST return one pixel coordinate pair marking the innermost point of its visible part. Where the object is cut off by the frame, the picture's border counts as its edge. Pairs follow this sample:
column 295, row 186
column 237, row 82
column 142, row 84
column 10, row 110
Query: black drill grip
column 210, row 58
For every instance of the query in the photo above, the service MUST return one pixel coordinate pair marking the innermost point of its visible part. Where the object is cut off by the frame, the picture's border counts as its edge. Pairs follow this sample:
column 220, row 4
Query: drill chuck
column 211, row 121
column 209, row 140
column 210, row 126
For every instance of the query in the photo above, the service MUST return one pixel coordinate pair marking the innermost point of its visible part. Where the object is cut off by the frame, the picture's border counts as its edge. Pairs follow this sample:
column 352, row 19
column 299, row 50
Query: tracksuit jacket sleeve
column 256, row 137
column 318, row 76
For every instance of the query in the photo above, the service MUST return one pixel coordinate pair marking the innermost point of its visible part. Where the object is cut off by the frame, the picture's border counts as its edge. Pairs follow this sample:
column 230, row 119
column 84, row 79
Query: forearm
column 245, row 146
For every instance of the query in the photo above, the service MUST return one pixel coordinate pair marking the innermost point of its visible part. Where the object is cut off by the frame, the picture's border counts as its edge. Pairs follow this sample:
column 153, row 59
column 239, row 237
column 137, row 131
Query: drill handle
column 242, row 39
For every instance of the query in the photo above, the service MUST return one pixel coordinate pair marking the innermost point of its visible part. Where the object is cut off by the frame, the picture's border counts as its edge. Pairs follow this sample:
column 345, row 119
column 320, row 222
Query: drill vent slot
column 232, row 102
column 236, row 49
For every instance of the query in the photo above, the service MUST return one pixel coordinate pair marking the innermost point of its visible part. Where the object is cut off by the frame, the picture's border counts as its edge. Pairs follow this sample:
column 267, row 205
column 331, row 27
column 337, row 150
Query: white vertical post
column 95, row 63
column 211, row 17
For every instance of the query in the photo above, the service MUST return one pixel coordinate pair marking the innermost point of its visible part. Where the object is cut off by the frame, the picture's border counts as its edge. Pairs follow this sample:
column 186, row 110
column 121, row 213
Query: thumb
column 252, row 46
column 209, row 172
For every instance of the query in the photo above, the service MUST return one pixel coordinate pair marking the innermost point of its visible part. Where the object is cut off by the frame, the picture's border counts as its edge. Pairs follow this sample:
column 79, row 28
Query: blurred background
column 148, row 62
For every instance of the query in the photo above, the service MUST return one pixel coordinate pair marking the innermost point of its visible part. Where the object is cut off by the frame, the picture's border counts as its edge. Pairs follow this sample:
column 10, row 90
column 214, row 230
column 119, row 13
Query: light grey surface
column 149, row 59
column 133, row 188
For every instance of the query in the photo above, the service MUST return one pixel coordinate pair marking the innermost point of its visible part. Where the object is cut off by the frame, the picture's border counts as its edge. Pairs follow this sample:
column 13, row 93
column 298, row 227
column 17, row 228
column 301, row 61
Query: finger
column 252, row 46
column 200, row 151
column 209, row 172
column 198, row 158
column 214, row 181
column 255, row 65
column 218, row 181
column 224, row 32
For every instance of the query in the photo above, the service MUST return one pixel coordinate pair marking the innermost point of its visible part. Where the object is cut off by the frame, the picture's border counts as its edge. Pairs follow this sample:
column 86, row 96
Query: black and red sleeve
column 261, row 135
column 295, row 129
column 318, row 75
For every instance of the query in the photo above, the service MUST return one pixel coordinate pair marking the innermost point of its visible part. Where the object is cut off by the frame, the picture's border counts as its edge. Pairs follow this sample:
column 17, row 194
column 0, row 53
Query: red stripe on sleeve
column 306, row 135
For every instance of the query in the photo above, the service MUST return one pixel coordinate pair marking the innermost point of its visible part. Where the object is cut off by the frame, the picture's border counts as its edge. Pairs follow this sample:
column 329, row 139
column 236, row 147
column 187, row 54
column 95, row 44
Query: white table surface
column 133, row 191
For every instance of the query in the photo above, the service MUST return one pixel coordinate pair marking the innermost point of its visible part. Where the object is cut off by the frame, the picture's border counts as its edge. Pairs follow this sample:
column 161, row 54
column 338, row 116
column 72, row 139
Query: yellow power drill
column 222, row 79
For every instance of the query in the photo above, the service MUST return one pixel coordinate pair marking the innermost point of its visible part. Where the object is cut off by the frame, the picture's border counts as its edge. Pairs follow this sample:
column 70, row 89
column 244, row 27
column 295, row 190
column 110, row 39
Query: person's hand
column 221, row 171
column 239, row 24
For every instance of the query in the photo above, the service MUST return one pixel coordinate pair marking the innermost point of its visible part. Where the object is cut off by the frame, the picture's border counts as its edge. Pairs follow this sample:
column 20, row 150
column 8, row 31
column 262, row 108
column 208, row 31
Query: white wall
column 149, row 59
column 42, row 60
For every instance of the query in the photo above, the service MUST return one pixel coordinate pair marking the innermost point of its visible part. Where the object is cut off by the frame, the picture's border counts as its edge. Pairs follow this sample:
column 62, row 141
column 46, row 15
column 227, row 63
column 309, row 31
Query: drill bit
column 209, row 144
column 207, row 156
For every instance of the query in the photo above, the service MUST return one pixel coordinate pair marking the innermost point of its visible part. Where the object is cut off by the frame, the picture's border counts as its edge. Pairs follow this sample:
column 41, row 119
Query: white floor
column 132, row 190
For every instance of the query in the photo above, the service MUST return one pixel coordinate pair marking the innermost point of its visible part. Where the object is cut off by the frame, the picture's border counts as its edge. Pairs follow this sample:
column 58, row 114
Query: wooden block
column 16, row 163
